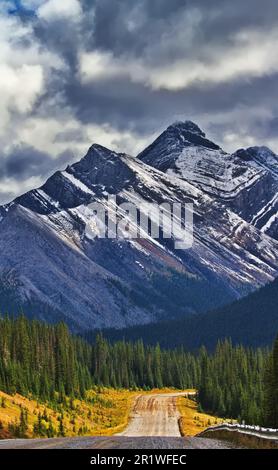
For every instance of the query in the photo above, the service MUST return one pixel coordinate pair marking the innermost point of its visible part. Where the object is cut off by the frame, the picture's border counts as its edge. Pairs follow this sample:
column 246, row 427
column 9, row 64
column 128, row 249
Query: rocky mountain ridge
column 52, row 269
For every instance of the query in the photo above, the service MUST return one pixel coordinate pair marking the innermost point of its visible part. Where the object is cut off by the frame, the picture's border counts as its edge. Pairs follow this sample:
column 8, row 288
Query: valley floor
column 163, row 416
column 155, row 422
column 104, row 412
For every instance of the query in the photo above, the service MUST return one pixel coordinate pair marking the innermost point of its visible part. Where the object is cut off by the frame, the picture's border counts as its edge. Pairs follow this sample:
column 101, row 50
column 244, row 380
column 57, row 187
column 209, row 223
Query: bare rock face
column 52, row 269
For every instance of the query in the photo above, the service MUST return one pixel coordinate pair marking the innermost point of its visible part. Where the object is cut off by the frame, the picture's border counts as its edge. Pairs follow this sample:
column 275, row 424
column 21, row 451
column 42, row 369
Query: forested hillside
column 42, row 359
column 232, row 382
column 48, row 363
column 103, row 411
column 271, row 388
column 251, row 321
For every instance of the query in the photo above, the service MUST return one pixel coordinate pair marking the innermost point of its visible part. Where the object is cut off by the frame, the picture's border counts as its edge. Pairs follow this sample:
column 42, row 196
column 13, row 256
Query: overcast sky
column 117, row 72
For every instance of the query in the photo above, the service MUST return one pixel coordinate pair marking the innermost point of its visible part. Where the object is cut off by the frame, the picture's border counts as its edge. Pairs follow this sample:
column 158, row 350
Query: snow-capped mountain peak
column 166, row 149
column 95, row 282
column 186, row 126
column 245, row 181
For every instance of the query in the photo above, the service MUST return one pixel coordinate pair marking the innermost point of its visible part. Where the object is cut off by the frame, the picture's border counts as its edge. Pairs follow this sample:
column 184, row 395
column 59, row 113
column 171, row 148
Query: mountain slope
column 251, row 321
column 53, row 269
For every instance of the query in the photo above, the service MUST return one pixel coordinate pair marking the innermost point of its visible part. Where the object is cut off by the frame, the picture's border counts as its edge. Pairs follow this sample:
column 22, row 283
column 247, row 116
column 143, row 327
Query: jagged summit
column 95, row 282
column 98, row 149
column 97, row 154
column 262, row 150
column 165, row 150
column 99, row 172
column 246, row 180
column 186, row 126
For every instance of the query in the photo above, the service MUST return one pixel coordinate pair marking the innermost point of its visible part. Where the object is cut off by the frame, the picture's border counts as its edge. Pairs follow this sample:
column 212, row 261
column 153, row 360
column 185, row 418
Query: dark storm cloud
column 265, row 128
column 24, row 161
column 127, row 28
column 60, row 36
column 271, row 129
column 129, row 105
column 153, row 34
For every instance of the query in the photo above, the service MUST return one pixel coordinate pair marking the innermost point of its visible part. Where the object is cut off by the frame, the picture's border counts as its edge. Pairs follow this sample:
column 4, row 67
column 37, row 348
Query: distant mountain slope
column 251, row 321
column 53, row 269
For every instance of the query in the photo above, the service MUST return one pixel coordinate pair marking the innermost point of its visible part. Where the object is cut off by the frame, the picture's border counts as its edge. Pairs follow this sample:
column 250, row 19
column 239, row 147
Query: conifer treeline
column 128, row 365
column 232, row 382
column 47, row 362
column 271, row 389
column 42, row 359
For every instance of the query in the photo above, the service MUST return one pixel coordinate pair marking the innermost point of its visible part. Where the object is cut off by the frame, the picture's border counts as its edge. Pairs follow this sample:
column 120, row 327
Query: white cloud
column 19, row 87
column 44, row 131
column 21, row 73
column 24, row 69
column 119, row 141
column 235, row 140
column 250, row 55
column 24, row 65
column 96, row 65
column 18, row 45
column 40, row 133
column 232, row 140
column 11, row 188
column 55, row 9
column 237, row 128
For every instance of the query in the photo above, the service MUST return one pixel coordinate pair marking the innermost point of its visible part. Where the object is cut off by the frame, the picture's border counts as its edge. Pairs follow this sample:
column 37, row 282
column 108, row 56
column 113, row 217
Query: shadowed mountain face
column 53, row 269
column 251, row 321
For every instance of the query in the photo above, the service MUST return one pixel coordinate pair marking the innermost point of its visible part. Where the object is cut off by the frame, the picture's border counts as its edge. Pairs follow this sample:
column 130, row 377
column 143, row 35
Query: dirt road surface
column 153, row 425
column 155, row 415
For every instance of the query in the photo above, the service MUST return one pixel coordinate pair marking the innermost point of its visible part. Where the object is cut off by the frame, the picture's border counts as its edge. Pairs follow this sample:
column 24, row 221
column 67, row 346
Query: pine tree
column 271, row 389
column 61, row 431
column 23, row 423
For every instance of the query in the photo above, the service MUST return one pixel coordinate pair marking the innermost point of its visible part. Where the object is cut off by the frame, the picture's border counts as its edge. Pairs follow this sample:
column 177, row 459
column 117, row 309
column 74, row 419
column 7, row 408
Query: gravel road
column 116, row 442
column 153, row 425
column 154, row 415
